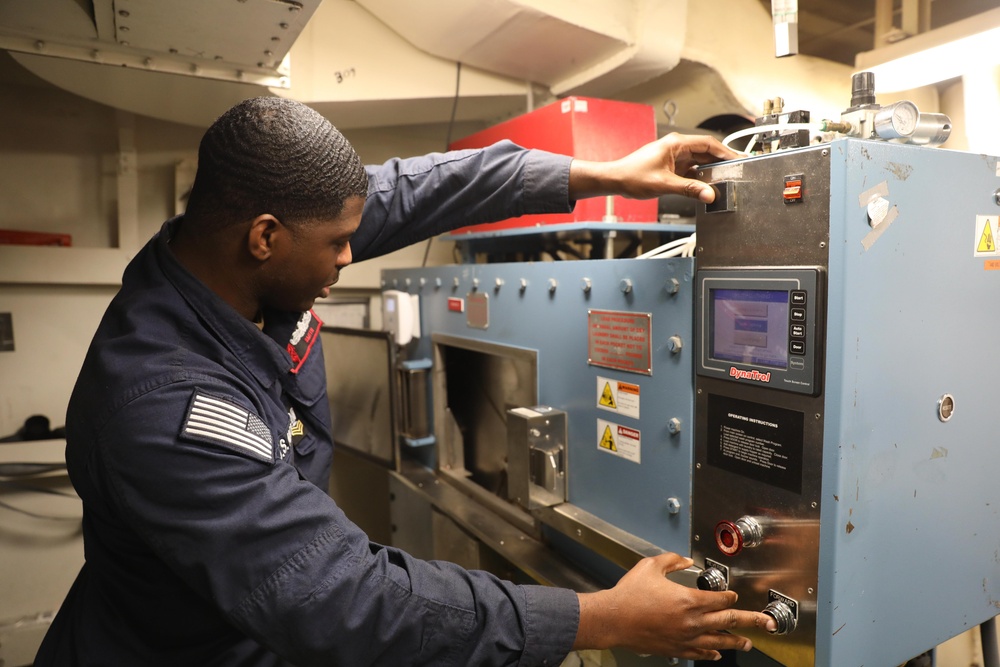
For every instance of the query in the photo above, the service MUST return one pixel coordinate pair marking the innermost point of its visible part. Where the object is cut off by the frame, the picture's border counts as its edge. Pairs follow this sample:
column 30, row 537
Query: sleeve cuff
column 552, row 619
column 546, row 183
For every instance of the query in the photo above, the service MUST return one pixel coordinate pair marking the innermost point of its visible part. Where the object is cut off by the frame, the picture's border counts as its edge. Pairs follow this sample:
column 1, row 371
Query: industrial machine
column 845, row 436
column 552, row 387
column 543, row 415
column 805, row 409
column 526, row 396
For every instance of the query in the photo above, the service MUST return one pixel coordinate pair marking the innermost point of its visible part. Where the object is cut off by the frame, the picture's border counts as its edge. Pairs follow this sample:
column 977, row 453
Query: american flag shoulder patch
column 222, row 422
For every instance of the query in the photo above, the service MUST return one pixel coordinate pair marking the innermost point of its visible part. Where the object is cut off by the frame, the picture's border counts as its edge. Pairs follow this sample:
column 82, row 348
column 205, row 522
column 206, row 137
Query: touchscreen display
column 749, row 326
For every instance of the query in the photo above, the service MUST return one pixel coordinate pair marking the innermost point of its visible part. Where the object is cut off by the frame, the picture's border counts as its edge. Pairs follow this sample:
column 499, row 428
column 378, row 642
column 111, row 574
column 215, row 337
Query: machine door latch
column 536, row 461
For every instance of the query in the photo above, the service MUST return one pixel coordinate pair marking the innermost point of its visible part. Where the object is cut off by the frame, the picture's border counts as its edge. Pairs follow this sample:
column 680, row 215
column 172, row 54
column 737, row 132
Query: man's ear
column 264, row 232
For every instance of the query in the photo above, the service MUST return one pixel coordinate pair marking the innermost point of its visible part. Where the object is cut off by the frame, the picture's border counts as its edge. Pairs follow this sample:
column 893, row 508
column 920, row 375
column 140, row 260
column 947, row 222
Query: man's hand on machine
column 647, row 613
column 662, row 167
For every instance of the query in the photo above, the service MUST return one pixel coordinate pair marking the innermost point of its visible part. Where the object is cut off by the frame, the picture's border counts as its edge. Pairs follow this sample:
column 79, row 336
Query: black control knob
column 782, row 615
column 862, row 89
column 712, row 579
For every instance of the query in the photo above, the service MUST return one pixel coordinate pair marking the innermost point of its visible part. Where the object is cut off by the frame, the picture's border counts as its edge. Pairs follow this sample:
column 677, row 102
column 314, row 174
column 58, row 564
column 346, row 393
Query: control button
column 797, row 331
column 792, row 193
column 782, row 615
column 712, row 579
column 798, row 315
column 725, row 197
column 732, row 538
column 798, row 298
column 797, row 363
column 797, row 347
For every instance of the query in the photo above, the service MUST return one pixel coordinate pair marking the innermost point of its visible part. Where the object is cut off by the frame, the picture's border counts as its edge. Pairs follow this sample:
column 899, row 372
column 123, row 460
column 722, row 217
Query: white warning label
column 619, row 397
column 619, row 440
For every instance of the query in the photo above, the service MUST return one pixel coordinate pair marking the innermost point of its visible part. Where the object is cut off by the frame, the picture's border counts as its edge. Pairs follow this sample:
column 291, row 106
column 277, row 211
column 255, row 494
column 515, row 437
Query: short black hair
column 277, row 156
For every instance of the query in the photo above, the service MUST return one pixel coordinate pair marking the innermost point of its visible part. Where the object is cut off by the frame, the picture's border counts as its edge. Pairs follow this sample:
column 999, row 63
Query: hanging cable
column 447, row 142
column 14, row 475
column 454, row 104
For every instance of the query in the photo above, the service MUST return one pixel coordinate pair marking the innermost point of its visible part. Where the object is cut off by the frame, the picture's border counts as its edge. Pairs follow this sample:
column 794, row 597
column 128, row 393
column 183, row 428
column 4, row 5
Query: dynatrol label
column 754, row 375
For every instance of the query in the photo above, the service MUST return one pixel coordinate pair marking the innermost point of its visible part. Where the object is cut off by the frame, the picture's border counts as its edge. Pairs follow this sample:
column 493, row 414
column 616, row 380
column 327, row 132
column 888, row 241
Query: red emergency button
column 733, row 536
column 728, row 538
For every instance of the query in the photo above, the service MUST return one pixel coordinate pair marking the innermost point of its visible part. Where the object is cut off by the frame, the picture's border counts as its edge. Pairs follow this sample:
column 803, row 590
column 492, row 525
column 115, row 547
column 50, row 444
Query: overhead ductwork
column 183, row 60
column 375, row 63
column 570, row 46
column 728, row 68
column 369, row 62
column 229, row 40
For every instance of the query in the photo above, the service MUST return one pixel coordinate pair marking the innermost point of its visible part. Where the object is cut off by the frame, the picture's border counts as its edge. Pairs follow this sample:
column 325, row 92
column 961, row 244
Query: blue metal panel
column 910, row 531
column 631, row 495
column 892, row 544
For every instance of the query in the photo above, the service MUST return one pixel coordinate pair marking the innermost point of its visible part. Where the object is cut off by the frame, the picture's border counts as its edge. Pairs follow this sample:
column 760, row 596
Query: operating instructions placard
column 758, row 441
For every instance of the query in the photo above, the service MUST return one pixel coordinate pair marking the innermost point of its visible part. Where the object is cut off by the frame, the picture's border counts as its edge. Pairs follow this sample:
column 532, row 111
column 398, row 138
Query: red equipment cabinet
column 585, row 128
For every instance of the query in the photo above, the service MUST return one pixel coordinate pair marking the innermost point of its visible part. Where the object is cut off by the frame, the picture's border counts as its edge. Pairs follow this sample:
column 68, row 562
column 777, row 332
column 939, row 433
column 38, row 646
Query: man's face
column 309, row 260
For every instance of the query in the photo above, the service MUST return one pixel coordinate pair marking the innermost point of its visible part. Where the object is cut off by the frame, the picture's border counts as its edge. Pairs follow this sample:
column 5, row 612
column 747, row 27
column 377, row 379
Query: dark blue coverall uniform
column 201, row 448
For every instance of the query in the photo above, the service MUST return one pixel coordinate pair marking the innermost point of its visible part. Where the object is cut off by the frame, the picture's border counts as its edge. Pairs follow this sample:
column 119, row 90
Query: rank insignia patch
column 302, row 340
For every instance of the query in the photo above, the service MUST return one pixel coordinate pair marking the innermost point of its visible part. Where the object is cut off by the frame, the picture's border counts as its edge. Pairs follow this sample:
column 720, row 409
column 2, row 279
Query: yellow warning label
column 608, row 440
column 987, row 235
column 986, row 242
column 608, row 398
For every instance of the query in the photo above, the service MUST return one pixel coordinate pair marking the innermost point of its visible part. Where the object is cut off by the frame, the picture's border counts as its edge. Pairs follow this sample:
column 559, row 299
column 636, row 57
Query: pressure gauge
column 897, row 121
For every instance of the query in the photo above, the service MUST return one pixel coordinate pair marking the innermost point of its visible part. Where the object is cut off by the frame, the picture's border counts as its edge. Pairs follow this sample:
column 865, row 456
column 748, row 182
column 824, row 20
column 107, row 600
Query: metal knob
column 712, row 579
column 782, row 615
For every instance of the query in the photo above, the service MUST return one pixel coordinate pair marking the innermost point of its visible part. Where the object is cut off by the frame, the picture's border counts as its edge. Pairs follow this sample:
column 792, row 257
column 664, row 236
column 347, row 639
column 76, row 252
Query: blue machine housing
column 890, row 545
column 543, row 308
column 884, row 536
